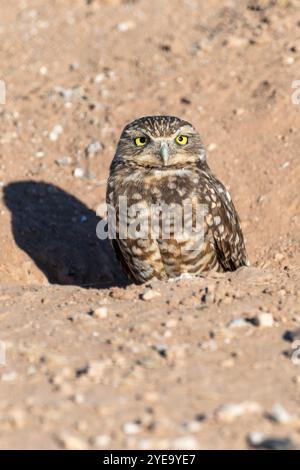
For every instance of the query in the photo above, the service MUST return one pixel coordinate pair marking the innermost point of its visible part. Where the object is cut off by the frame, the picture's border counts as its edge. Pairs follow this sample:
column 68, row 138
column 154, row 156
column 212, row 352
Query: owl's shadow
column 59, row 233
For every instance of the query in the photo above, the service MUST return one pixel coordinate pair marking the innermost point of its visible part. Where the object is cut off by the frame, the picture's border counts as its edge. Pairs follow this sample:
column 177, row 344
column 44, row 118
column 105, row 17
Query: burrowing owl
column 160, row 161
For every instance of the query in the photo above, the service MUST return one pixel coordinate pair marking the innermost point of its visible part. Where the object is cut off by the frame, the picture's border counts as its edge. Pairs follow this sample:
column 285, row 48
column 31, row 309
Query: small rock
column 125, row 26
column 236, row 42
column 193, row 426
column 211, row 147
column 238, row 323
column 103, row 440
column 230, row 411
column 260, row 441
column 264, row 320
column 100, row 312
column 43, row 70
column 131, row 427
column 55, row 133
column 93, row 148
column 78, row 172
column 280, row 415
column 96, row 370
column 67, row 93
column 74, row 66
column 9, row 376
column 150, row 294
column 185, row 443
column 161, row 349
column 31, row 370
column 64, row 161
column 289, row 60
column 77, row 398
column 39, row 154
column 71, row 442
column 17, row 417
column 210, row 345
column 100, row 77
column 292, row 335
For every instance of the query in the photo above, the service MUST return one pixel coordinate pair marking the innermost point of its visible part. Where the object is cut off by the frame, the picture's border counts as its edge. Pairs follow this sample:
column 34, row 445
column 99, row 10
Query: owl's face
column 160, row 142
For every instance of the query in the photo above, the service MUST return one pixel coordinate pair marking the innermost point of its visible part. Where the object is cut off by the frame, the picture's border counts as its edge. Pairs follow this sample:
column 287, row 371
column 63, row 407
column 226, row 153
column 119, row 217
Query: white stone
column 131, row 428
column 150, row 294
column 100, row 312
column 264, row 320
column 125, row 26
column 103, row 440
column 185, row 443
column 280, row 415
column 230, row 411
column 78, row 172
column 71, row 442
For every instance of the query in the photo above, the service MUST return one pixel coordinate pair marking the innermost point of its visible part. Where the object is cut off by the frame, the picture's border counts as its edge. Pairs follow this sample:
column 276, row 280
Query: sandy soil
column 91, row 363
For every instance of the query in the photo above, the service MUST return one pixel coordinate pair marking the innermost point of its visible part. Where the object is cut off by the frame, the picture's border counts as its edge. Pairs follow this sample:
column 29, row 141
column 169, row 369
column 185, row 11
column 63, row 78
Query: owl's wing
column 229, row 240
column 226, row 231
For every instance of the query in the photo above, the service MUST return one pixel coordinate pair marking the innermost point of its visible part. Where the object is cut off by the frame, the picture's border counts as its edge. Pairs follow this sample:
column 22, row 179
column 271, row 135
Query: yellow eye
column 141, row 141
column 181, row 139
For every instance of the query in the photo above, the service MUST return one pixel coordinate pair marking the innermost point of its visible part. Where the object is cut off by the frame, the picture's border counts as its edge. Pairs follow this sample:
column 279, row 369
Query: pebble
column 43, row 70
column 103, row 440
column 289, row 60
column 264, row 320
column 125, row 26
column 67, row 93
column 230, row 411
column 259, row 441
column 193, row 426
column 31, row 370
column 100, row 77
column 238, row 323
column 93, row 148
column 210, row 345
column 55, row 133
column 131, row 428
column 161, row 349
column 150, row 294
column 77, row 398
column 280, row 415
column 78, row 172
column 96, row 369
column 184, row 443
column 17, row 417
column 71, row 442
column 211, row 147
column 292, row 335
column 64, row 161
column 9, row 376
column 100, row 312
column 236, row 42
column 39, row 154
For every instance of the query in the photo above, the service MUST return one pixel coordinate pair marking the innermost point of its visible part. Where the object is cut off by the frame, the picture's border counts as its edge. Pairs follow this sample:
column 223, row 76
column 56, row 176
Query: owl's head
column 160, row 142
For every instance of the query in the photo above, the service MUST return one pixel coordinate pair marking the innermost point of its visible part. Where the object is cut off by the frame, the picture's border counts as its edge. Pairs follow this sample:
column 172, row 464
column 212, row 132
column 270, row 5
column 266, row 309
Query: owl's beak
column 164, row 152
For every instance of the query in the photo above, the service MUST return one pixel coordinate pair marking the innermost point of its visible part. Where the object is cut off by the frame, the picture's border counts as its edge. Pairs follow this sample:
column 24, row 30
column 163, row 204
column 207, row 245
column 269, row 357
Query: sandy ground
column 89, row 362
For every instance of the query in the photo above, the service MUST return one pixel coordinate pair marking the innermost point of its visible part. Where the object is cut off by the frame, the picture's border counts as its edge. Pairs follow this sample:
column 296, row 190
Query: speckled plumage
column 144, row 177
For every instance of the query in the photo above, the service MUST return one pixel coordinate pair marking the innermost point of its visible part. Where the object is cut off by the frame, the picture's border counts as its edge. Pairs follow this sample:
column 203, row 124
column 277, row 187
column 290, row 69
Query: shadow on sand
column 59, row 233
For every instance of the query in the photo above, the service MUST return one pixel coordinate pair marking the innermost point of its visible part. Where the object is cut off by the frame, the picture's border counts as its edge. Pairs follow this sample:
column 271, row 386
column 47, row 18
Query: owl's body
column 160, row 163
